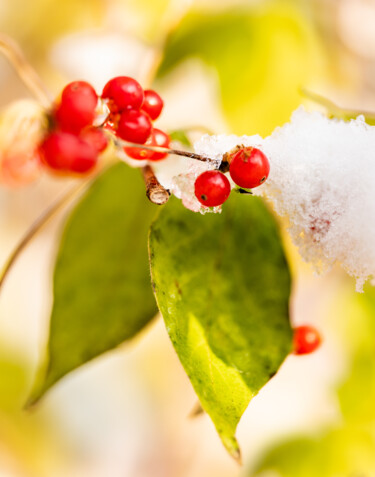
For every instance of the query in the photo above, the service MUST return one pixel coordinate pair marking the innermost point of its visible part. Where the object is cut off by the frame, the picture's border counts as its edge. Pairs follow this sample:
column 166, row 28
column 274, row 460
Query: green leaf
column 262, row 55
column 222, row 285
column 180, row 136
column 102, row 291
column 338, row 452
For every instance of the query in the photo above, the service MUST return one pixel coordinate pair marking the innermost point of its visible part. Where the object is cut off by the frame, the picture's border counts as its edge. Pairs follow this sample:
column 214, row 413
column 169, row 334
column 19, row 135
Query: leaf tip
column 196, row 411
column 231, row 445
column 35, row 397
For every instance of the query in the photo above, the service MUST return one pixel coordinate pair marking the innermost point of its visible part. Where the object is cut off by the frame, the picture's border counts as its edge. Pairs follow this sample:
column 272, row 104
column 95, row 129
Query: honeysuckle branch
column 41, row 221
column 25, row 71
column 155, row 192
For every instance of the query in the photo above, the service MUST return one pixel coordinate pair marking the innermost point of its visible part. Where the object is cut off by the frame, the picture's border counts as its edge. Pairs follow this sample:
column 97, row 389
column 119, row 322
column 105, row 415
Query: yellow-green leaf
column 262, row 55
column 222, row 284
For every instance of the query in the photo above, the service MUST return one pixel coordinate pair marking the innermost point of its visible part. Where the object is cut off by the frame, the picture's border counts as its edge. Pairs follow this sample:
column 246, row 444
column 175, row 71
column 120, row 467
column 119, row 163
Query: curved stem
column 38, row 225
column 25, row 71
column 333, row 108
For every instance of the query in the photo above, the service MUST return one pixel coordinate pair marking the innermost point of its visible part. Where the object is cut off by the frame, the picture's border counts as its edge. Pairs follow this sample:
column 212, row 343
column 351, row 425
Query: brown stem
column 177, row 152
column 38, row 225
column 25, row 71
column 154, row 190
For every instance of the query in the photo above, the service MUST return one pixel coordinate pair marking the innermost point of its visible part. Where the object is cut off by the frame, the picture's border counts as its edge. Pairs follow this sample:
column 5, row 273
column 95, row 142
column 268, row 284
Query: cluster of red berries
column 306, row 340
column 73, row 143
column 248, row 168
column 132, row 111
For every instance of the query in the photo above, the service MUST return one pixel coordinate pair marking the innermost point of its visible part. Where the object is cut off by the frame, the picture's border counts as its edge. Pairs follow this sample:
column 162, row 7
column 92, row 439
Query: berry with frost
column 248, row 167
column 212, row 188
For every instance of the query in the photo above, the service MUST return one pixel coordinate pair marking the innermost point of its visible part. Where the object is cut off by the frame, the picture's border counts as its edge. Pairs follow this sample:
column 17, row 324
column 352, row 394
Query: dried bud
column 22, row 126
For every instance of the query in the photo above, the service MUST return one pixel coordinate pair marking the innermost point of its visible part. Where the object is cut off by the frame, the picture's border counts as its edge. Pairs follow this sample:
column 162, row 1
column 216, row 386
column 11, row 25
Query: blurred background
column 233, row 67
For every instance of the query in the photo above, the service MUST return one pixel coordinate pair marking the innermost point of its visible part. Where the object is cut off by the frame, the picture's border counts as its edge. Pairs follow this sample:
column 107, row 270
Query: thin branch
column 38, row 225
column 154, row 190
column 333, row 107
column 177, row 152
column 25, row 71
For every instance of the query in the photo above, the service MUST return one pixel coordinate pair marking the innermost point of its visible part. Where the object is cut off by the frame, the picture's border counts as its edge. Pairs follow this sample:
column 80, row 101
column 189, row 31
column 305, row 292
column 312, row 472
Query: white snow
column 323, row 180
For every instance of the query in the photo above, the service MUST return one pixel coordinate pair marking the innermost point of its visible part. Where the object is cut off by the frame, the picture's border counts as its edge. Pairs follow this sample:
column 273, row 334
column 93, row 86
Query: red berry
column 123, row 93
column 67, row 152
column 77, row 107
column 152, row 104
column 157, row 138
column 161, row 139
column 249, row 167
column 96, row 137
column 306, row 339
column 138, row 153
column 212, row 188
column 134, row 126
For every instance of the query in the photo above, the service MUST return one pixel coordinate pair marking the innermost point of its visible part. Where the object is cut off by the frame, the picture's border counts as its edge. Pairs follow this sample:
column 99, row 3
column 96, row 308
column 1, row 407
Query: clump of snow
column 214, row 147
column 323, row 180
column 178, row 174
column 183, row 188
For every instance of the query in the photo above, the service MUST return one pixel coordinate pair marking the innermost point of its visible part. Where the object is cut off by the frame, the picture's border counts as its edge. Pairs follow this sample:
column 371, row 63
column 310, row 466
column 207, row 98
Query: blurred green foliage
column 349, row 448
column 262, row 56
column 341, row 452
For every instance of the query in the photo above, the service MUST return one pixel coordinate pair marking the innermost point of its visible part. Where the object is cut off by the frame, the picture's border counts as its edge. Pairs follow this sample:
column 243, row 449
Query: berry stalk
column 176, row 152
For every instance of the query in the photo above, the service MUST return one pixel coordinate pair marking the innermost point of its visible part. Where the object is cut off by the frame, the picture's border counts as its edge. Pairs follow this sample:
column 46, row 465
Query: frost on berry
column 322, row 179
column 183, row 188
column 22, row 126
